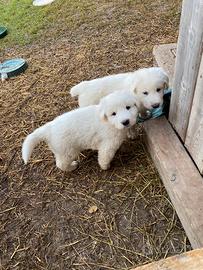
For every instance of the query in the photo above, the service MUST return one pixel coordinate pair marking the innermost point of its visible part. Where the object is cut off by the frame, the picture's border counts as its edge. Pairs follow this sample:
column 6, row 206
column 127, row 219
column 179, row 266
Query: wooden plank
column 190, row 45
column 181, row 178
column 192, row 260
column 164, row 56
column 194, row 136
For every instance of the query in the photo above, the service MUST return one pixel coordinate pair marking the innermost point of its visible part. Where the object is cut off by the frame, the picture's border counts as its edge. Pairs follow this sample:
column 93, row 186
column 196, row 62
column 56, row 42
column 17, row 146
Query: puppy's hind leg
column 66, row 162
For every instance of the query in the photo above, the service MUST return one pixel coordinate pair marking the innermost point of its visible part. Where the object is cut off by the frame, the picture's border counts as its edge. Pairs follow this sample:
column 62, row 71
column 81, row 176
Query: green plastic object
column 3, row 31
column 163, row 110
column 12, row 67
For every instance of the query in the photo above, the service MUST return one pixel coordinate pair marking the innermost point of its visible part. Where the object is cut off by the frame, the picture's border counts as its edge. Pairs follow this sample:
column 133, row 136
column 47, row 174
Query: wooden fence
column 186, row 110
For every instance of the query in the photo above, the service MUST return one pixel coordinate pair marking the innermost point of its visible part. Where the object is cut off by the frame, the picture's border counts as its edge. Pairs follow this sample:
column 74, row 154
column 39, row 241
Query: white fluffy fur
column 94, row 127
column 138, row 82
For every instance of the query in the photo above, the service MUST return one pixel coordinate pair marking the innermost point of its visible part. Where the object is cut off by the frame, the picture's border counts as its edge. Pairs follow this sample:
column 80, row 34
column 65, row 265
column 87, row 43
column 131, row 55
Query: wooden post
column 194, row 136
column 189, row 51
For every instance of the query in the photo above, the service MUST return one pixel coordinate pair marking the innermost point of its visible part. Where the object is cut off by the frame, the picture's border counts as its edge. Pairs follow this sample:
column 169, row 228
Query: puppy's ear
column 101, row 108
column 103, row 116
column 166, row 83
column 135, row 90
column 137, row 103
column 165, row 79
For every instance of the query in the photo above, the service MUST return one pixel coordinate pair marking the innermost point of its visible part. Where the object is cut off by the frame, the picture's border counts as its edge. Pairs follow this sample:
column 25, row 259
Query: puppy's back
column 90, row 92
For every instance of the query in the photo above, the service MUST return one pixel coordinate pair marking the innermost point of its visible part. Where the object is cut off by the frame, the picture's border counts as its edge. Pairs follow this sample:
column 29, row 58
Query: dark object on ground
column 3, row 31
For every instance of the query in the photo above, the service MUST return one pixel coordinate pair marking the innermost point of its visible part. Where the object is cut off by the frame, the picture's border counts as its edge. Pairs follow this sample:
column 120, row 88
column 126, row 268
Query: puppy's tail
column 31, row 141
column 78, row 89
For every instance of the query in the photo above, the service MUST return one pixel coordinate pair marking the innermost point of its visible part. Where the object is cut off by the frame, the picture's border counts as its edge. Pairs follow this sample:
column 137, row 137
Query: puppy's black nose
column 155, row 106
column 126, row 122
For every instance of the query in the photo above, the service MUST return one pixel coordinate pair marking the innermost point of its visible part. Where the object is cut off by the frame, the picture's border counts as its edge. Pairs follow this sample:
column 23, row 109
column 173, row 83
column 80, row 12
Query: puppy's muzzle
column 156, row 105
column 126, row 123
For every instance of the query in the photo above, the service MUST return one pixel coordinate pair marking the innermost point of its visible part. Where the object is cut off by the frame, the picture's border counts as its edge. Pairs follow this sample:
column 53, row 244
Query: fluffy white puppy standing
column 100, row 127
column 147, row 84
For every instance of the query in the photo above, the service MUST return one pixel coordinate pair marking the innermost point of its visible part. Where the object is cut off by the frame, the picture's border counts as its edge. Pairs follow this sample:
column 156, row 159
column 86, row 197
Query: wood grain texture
column 181, row 178
column 190, row 45
column 192, row 260
column 164, row 56
column 194, row 136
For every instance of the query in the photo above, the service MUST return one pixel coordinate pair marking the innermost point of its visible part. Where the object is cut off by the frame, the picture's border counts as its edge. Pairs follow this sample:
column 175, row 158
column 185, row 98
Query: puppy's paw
column 74, row 165
column 64, row 166
column 131, row 135
column 145, row 114
column 104, row 166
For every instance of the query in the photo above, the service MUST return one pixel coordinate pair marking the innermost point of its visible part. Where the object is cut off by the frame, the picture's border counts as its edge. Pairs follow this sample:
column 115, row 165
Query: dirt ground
column 45, row 219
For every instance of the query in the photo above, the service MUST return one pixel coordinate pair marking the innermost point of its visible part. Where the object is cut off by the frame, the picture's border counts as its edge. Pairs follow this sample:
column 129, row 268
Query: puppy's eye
column 127, row 107
column 113, row 114
column 145, row 93
column 158, row 89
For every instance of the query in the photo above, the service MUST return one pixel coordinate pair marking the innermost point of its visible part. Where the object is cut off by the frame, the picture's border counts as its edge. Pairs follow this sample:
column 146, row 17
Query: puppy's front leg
column 105, row 155
column 132, row 133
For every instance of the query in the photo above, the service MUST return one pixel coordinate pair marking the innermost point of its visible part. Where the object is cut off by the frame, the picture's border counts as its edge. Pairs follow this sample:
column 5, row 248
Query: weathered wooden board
column 180, row 176
column 190, row 45
column 192, row 260
column 194, row 136
column 164, row 56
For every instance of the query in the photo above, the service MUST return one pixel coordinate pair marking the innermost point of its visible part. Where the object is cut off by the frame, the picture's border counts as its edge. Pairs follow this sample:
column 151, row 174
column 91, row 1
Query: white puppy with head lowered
column 147, row 84
column 100, row 127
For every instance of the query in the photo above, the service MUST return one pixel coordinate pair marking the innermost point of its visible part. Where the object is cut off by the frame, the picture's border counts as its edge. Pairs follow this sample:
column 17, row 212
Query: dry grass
column 44, row 217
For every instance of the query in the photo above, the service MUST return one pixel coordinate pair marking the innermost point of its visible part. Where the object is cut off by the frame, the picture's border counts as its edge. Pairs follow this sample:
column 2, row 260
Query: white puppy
column 147, row 84
column 100, row 127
